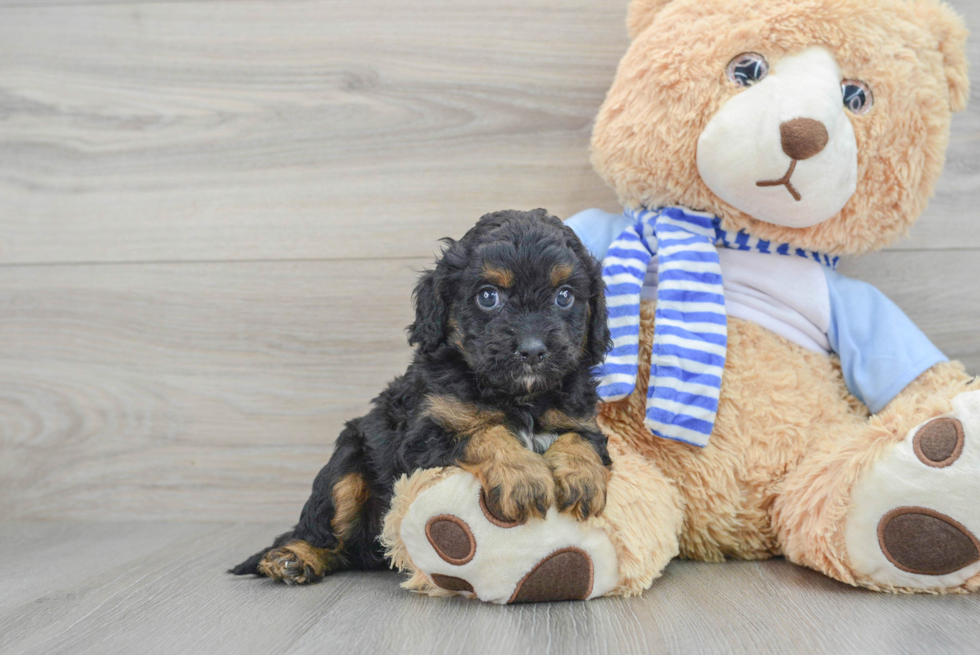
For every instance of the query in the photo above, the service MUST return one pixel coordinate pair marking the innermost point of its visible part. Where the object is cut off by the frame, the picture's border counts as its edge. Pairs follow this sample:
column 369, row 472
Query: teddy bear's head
column 819, row 123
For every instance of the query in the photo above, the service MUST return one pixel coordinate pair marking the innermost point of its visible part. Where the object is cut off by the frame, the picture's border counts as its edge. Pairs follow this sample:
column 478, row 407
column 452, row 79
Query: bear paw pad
column 563, row 575
column 926, row 542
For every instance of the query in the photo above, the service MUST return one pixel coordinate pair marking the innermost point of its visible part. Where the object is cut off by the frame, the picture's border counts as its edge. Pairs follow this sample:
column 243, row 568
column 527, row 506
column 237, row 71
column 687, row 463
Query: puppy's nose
column 803, row 138
column 532, row 350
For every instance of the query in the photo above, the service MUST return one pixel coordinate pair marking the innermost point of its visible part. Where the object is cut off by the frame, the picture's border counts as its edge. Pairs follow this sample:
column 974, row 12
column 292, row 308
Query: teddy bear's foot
column 457, row 546
column 915, row 517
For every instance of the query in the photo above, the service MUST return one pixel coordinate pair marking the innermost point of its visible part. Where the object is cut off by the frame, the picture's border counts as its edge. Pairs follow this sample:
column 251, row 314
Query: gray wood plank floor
column 161, row 588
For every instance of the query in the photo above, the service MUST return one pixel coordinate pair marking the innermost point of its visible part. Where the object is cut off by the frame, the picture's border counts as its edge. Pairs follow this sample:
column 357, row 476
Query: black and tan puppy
column 507, row 327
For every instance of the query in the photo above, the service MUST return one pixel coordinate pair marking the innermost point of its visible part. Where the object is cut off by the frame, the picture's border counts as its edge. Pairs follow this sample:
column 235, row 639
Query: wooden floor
column 211, row 217
column 159, row 588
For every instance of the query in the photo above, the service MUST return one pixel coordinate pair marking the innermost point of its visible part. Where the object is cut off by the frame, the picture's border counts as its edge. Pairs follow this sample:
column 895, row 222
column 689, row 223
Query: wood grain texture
column 213, row 389
column 136, row 587
column 319, row 129
column 291, row 129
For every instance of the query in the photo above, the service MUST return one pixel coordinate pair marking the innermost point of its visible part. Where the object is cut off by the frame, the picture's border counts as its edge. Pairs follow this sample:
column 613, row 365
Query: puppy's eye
column 487, row 298
column 564, row 298
column 857, row 96
column 747, row 69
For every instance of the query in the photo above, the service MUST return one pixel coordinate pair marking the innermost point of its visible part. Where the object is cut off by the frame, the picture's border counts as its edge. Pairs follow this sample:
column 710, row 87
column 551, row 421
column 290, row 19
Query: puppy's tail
column 249, row 566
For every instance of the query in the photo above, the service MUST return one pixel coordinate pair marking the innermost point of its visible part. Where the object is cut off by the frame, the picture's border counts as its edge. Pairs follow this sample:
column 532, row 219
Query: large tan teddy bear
column 789, row 410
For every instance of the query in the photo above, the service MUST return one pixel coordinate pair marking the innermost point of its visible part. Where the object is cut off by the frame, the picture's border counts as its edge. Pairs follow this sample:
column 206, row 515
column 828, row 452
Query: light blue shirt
column 881, row 350
column 597, row 229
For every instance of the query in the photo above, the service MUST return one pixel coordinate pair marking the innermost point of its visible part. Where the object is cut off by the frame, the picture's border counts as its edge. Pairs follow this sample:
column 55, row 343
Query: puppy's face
column 519, row 298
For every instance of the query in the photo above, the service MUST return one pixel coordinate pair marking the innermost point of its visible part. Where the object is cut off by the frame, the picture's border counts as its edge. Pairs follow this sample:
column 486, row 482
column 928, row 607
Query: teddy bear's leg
column 895, row 506
column 440, row 530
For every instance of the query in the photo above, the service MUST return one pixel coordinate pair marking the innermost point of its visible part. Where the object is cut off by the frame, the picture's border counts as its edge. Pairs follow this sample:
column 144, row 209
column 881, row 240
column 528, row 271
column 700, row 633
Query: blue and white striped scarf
column 690, row 337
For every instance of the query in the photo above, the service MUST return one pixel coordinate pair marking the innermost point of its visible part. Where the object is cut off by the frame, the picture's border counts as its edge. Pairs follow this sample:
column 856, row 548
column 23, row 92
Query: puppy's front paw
column 580, row 477
column 517, row 482
column 295, row 563
column 581, row 493
column 518, row 489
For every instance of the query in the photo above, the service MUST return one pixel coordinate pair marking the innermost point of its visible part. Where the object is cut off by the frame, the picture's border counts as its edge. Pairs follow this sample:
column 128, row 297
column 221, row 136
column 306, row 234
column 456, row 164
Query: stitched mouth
column 784, row 181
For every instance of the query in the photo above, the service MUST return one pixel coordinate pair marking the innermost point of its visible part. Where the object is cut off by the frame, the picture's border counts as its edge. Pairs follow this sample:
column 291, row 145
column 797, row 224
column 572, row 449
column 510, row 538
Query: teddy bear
column 757, row 402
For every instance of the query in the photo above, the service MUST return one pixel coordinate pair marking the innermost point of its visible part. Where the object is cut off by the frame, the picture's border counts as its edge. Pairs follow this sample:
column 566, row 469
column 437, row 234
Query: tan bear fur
column 789, row 443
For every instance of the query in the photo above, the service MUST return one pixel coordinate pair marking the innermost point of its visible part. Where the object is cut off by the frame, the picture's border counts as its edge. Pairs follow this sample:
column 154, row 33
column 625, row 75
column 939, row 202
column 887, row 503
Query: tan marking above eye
column 560, row 273
column 502, row 277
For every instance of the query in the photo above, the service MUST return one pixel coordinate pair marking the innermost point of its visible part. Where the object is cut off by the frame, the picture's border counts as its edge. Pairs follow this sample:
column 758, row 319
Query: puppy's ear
column 431, row 313
column 599, row 341
column 432, row 298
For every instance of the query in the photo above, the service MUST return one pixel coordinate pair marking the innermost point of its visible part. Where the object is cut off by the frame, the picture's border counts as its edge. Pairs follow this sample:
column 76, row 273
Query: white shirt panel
column 785, row 294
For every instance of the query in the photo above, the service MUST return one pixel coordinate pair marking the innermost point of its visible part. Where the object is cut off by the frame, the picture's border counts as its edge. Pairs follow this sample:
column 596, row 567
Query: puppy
column 507, row 327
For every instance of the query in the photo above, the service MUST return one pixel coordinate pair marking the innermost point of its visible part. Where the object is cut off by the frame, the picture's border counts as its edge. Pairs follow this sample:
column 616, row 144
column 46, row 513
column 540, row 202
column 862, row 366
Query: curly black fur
column 471, row 354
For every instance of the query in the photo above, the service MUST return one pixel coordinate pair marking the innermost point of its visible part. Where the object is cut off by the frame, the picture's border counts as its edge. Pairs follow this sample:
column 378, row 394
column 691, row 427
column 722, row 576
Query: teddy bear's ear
column 641, row 15
column 948, row 28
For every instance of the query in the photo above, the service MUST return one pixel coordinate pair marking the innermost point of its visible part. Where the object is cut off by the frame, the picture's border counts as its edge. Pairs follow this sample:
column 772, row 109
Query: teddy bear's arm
column 881, row 350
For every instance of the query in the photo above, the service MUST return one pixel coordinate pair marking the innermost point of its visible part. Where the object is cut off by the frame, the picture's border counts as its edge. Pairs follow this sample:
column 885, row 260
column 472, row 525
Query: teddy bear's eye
column 857, row 96
column 747, row 69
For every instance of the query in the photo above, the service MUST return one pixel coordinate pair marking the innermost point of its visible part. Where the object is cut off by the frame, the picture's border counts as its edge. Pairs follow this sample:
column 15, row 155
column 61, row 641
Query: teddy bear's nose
column 803, row 138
